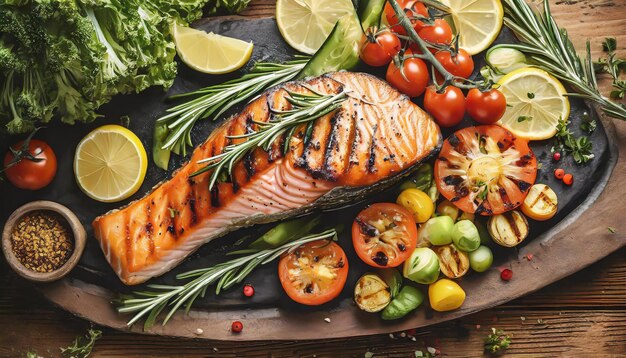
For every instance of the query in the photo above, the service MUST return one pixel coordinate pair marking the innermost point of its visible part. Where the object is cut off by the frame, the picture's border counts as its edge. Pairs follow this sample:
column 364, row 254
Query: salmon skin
column 375, row 138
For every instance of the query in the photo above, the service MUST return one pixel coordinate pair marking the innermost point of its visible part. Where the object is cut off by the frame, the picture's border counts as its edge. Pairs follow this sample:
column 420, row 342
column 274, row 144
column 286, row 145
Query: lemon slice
column 110, row 163
column 535, row 103
column 478, row 22
column 210, row 53
column 305, row 24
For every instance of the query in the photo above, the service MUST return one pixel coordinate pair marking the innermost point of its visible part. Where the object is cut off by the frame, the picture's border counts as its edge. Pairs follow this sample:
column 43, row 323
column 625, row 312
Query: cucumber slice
column 370, row 12
column 340, row 51
column 503, row 59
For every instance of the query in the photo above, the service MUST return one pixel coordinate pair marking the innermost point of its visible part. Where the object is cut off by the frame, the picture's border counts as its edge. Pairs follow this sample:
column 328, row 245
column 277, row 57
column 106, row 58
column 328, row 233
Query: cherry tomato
column 236, row 327
column 384, row 235
column 448, row 107
column 559, row 173
column 314, row 273
column 412, row 8
column 461, row 65
column 485, row 107
column 415, row 78
column 568, row 179
column 377, row 50
column 485, row 170
column 29, row 174
column 439, row 33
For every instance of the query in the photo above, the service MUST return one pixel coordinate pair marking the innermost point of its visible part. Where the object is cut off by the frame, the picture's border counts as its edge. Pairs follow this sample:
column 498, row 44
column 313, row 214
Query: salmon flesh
column 375, row 138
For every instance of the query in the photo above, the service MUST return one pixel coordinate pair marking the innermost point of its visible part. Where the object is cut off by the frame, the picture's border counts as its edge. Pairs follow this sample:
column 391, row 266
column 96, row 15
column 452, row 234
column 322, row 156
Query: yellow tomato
column 418, row 203
column 445, row 295
column 541, row 203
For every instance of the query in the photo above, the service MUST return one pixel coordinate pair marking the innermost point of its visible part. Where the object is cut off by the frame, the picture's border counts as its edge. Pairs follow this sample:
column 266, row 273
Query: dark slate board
column 144, row 108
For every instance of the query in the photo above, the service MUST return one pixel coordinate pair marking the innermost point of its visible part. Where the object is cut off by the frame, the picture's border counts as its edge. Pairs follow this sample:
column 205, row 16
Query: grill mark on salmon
column 363, row 147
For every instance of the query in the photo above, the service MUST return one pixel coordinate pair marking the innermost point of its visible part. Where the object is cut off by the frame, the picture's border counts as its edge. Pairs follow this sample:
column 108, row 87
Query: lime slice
column 110, row 163
column 535, row 103
column 210, row 53
column 478, row 22
column 305, row 24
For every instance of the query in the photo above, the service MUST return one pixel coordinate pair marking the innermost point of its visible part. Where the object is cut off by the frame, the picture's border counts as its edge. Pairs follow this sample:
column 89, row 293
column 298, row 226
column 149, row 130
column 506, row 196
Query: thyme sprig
column 174, row 128
column 306, row 107
column 150, row 304
column 550, row 48
column 614, row 66
column 580, row 148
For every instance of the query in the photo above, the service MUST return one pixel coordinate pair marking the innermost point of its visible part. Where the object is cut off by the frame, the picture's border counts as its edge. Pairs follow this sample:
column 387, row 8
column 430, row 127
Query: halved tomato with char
column 485, row 170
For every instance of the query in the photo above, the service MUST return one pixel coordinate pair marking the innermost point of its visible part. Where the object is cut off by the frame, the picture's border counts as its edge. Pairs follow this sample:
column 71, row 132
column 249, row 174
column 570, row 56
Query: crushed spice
column 42, row 241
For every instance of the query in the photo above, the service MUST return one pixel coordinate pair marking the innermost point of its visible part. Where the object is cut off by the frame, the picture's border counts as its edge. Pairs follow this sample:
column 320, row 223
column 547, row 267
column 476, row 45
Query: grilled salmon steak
column 375, row 138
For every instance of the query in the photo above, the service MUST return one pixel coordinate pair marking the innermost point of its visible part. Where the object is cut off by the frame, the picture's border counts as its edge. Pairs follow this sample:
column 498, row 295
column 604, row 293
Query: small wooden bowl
column 79, row 236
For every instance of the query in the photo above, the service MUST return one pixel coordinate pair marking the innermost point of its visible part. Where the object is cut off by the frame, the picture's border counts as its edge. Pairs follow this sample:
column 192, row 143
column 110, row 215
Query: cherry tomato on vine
column 314, row 273
column 384, row 235
column 440, row 33
column 447, row 107
column 31, row 174
column 379, row 48
column 415, row 78
column 412, row 8
column 485, row 107
column 461, row 64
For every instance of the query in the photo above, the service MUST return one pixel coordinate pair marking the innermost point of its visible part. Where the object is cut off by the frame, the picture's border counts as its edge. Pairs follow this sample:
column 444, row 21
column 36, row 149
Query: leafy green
column 82, row 345
column 497, row 341
column 613, row 66
column 65, row 58
column 580, row 148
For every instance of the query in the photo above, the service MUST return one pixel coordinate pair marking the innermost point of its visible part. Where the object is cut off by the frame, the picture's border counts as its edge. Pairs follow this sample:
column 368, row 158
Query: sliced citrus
column 110, row 163
column 305, row 24
column 535, row 103
column 210, row 53
column 478, row 22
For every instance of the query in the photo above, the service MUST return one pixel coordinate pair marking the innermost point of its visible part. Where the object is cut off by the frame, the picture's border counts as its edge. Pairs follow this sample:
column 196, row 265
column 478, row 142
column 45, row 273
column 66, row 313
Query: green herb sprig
column 173, row 130
column 83, row 345
column 497, row 341
column 580, row 148
column 150, row 304
column 305, row 109
column 550, row 48
column 613, row 66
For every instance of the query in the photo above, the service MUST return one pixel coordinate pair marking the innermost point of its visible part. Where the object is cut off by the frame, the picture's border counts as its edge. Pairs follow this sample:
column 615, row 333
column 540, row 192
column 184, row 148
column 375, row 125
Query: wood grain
column 583, row 315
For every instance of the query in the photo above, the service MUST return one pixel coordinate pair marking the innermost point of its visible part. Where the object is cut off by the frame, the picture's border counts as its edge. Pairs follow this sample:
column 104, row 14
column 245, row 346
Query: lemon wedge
column 535, row 103
column 110, row 163
column 478, row 22
column 210, row 53
column 305, row 24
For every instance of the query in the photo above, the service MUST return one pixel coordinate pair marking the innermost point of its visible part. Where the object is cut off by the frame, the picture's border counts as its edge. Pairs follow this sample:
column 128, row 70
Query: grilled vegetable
column 508, row 229
column 285, row 232
column 541, row 203
column 445, row 295
column 485, row 170
column 453, row 262
column 465, row 236
column 407, row 300
column 481, row 259
column 418, row 203
column 439, row 230
column 371, row 293
column 449, row 209
column 467, row 216
column 422, row 266
column 393, row 279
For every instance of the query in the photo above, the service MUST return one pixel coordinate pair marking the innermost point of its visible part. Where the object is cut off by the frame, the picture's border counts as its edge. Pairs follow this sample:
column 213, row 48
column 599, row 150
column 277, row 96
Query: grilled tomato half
column 485, row 170
column 314, row 273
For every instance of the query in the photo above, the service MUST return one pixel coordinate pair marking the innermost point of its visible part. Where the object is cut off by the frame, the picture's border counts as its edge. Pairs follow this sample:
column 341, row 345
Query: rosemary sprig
column 150, row 304
column 550, row 48
column 305, row 108
column 212, row 101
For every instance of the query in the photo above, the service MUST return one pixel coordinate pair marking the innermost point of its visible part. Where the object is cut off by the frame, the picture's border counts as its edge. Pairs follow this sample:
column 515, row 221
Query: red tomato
column 29, row 174
column 485, row 107
column 439, row 33
column 377, row 50
column 448, row 107
column 412, row 8
column 485, row 170
column 384, row 235
column 415, row 78
column 314, row 273
column 461, row 65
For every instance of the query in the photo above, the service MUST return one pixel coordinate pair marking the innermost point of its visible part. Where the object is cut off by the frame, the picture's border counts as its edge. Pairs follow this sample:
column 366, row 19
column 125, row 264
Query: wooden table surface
column 583, row 315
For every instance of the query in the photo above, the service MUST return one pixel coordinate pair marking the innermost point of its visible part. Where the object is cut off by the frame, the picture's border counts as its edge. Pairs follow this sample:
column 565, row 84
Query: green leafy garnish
column 580, row 148
column 497, row 341
column 611, row 229
column 613, row 66
column 524, row 118
column 83, row 345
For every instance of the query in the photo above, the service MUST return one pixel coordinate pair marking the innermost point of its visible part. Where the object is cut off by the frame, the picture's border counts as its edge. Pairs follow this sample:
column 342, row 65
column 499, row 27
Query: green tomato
column 465, row 236
column 481, row 259
column 422, row 266
column 439, row 230
column 407, row 300
column 485, row 238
